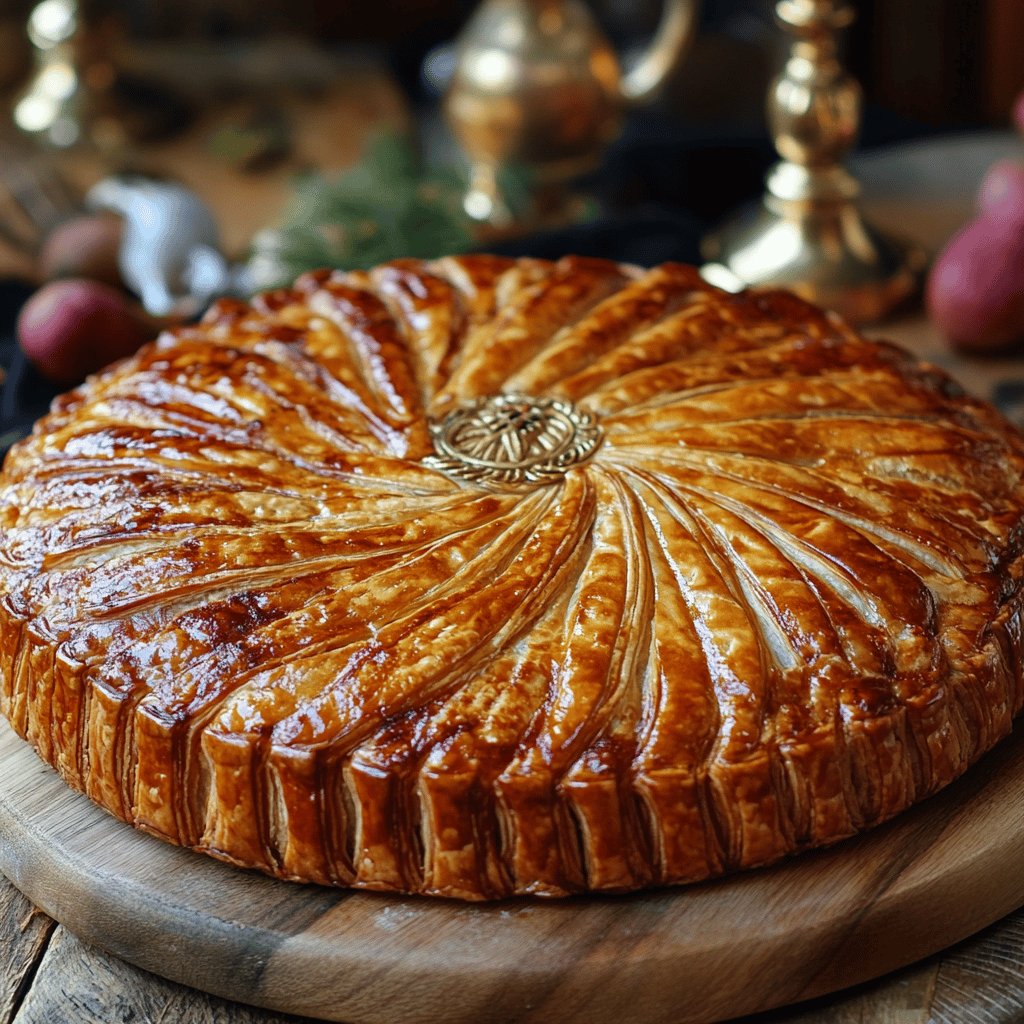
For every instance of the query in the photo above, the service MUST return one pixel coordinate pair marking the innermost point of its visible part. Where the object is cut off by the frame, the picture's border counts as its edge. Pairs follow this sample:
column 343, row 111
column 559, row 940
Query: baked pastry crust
column 771, row 598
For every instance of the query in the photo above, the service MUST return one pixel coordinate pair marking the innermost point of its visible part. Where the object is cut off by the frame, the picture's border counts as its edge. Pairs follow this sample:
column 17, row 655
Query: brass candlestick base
column 809, row 233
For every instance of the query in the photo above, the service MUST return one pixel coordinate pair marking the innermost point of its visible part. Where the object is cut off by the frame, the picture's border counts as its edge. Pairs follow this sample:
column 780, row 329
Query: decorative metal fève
column 538, row 87
column 513, row 441
column 809, row 234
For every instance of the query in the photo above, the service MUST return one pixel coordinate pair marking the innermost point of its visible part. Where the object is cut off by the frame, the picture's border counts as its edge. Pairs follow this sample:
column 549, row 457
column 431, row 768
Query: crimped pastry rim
column 591, row 826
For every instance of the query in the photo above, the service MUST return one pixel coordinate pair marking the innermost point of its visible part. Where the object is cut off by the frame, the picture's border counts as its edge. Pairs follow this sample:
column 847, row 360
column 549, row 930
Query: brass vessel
column 538, row 87
column 809, row 233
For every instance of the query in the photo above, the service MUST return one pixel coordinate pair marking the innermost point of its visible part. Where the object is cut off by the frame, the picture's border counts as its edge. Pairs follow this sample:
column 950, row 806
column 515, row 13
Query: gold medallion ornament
column 513, row 441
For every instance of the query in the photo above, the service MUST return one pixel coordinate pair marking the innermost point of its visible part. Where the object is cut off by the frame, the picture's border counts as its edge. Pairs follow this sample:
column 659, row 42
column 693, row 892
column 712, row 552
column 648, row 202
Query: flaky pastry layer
column 779, row 603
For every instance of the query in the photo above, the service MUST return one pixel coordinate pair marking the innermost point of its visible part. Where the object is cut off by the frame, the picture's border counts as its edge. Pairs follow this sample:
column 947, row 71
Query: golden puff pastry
column 482, row 577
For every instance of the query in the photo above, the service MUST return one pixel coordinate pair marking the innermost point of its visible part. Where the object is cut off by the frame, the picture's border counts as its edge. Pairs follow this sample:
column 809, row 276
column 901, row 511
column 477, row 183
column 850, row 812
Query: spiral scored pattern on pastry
column 243, row 609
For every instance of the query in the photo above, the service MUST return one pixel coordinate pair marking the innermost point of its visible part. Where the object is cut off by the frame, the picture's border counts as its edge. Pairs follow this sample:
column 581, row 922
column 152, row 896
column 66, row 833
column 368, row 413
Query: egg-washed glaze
column 779, row 602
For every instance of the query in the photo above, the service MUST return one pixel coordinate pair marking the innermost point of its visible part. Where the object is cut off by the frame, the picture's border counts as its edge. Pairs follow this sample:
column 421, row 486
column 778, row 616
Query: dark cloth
column 24, row 394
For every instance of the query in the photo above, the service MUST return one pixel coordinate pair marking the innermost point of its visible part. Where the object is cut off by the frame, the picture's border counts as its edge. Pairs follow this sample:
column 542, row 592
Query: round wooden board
column 812, row 925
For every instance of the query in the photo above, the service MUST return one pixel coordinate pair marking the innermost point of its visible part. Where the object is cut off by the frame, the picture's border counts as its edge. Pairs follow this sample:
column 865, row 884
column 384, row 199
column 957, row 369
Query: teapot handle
column 678, row 19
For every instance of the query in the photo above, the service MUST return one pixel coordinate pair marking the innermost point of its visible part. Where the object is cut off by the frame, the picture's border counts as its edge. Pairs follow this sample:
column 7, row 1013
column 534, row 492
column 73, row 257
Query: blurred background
column 296, row 133
column 237, row 97
column 934, row 62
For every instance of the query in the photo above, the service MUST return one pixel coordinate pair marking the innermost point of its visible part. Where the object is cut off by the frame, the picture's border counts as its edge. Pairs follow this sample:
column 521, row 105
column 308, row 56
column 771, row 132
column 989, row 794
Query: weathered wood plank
column 81, row 984
column 24, row 934
column 982, row 980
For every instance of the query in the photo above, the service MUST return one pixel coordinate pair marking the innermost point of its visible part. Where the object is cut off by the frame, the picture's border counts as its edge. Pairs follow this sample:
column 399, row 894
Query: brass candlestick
column 809, row 233
column 77, row 94
column 51, row 107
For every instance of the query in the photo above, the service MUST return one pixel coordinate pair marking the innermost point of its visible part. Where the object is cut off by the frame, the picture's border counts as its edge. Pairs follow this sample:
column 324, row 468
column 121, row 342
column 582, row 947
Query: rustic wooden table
column 52, row 976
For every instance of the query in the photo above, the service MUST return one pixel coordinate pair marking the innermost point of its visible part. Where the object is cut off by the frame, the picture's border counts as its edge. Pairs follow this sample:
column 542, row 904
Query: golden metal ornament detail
column 809, row 233
column 51, row 106
column 538, row 87
column 512, row 441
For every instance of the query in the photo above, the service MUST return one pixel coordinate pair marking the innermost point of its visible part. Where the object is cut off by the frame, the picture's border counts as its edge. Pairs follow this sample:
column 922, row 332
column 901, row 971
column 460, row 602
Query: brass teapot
column 537, row 86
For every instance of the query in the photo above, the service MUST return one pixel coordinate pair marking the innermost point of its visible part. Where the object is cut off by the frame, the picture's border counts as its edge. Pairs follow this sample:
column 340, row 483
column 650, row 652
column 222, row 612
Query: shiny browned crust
column 780, row 604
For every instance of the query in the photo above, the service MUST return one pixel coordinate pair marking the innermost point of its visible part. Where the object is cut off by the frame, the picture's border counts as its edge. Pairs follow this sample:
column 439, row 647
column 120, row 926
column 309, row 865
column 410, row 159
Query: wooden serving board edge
column 815, row 924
